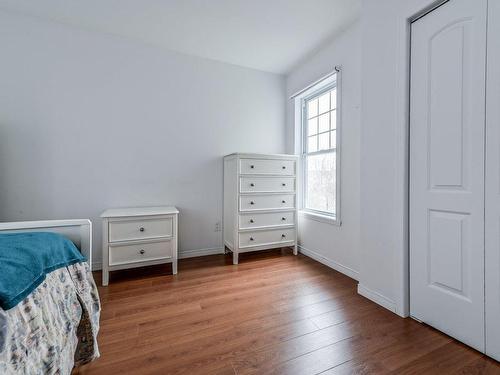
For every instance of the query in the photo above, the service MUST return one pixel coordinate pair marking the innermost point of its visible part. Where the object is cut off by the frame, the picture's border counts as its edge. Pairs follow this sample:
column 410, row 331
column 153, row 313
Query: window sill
column 321, row 218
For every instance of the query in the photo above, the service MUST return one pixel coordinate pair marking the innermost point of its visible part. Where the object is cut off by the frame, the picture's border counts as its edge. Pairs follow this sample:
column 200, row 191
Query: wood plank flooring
column 274, row 313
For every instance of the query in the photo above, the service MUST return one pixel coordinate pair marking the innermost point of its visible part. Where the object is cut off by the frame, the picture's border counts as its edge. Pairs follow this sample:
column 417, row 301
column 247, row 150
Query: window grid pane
column 312, row 108
column 324, row 141
column 333, row 139
column 333, row 119
column 312, row 126
column 324, row 122
column 324, row 103
column 333, row 99
column 312, row 144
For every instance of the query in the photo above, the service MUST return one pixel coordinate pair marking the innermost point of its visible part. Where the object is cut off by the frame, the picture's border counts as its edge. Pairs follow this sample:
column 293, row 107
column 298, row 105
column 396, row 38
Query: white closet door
column 493, row 183
column 447, row 124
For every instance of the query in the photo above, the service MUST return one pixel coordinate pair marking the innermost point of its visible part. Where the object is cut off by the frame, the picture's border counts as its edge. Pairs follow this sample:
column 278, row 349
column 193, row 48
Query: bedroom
column 126, row 114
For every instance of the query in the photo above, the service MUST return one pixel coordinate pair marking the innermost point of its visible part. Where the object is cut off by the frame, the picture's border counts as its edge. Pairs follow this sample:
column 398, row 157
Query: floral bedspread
column 54, row 328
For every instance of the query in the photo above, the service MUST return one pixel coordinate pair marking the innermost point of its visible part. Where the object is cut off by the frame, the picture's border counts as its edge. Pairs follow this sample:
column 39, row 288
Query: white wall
column 384, row 151
column 90, row 121
column 334, row 245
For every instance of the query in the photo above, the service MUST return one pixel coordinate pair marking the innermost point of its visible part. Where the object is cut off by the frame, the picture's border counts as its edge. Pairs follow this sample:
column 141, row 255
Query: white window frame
column 323, row 85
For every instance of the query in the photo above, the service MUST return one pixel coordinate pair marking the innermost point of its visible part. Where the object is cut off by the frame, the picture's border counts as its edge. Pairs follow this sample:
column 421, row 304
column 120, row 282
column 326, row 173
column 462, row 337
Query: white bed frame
column 79, row 231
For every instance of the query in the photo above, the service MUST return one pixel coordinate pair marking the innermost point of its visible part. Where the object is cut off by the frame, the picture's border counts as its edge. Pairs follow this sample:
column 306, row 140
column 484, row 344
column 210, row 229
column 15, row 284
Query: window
column 320, row 151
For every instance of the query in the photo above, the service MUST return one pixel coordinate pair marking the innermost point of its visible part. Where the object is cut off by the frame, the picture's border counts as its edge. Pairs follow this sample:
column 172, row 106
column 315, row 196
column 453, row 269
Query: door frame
column 409, row 12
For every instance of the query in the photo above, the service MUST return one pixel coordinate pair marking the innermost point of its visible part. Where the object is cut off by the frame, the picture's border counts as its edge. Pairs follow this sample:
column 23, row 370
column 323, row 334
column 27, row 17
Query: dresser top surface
column 260, row 156
column 140, row 211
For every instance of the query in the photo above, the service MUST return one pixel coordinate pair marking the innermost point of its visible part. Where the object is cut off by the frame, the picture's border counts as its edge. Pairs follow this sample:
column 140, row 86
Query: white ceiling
column 269, row 35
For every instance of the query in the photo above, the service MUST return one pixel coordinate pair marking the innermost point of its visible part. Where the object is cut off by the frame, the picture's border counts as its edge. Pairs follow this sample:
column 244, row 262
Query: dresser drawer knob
column 283, row 236
column 251, row 238
column 252, row 166
column 283, row 167
column 283, row 219
column 252, row 202
column 141, row 229
column 283, row 184
column 252, row 184
column 283, row 201
column 251, row 220
column 141, row 252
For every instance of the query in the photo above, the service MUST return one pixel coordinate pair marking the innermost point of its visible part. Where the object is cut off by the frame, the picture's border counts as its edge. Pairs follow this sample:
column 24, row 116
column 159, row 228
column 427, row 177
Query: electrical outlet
column 218, row 226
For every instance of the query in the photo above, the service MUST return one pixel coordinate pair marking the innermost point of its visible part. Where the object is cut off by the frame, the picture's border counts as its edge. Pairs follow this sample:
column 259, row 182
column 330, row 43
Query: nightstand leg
column 174, row 267
column 105, row 253
column 235, row 257
column 105, row 277
column 295, row 250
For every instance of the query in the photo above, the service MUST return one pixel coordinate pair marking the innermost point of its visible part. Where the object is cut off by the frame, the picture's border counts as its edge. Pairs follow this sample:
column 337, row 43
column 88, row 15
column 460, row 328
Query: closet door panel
column 492, row 207
column 447, row 125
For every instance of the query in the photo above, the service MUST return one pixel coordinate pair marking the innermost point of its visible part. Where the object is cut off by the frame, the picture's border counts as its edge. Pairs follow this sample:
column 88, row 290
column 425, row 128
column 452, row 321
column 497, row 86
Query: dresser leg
column 235, row 257
column 295, row 250
column 174, row 267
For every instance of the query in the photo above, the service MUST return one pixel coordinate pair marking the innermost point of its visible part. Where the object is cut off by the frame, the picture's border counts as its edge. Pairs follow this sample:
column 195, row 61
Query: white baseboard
column 96, row 266
column 353, row 274
column 377, row 298
column 200, row 252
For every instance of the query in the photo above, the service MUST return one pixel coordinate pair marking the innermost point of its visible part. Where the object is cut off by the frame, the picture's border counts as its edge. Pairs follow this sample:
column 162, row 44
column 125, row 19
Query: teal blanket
column 25, row 260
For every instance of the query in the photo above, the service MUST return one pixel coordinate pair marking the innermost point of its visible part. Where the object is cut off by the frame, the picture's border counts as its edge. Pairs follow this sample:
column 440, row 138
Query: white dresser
column 260, row 202
column 137, row 237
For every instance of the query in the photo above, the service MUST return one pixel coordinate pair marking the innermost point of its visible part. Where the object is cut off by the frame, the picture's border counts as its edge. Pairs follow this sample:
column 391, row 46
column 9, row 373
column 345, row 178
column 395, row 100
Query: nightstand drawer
column 134, row 253
column 139, row 229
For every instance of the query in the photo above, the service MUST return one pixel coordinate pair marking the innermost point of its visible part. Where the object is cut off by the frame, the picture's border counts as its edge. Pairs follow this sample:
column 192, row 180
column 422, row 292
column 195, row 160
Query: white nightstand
column 138, row 237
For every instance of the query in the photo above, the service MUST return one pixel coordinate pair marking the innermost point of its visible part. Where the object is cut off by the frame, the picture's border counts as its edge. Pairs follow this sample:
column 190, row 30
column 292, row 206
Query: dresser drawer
column 123, row 254
column 268, row 219
column 269, row 166
column 266, row 237
column 266, row 184
column 267, row 202
column 139, row 229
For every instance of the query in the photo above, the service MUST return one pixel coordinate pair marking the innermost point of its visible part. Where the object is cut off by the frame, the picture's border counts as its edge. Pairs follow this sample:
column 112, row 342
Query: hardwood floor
column 274, row 313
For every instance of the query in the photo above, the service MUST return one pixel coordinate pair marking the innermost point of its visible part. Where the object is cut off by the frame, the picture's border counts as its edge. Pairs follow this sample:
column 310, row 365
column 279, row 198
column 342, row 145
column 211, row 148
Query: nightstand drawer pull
column 252, row 184
column 141, row 229
column 252, row 202
column 141, row 251
column 283, row 219
column 283, row 236
column 283, row 201
column 251, row 220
